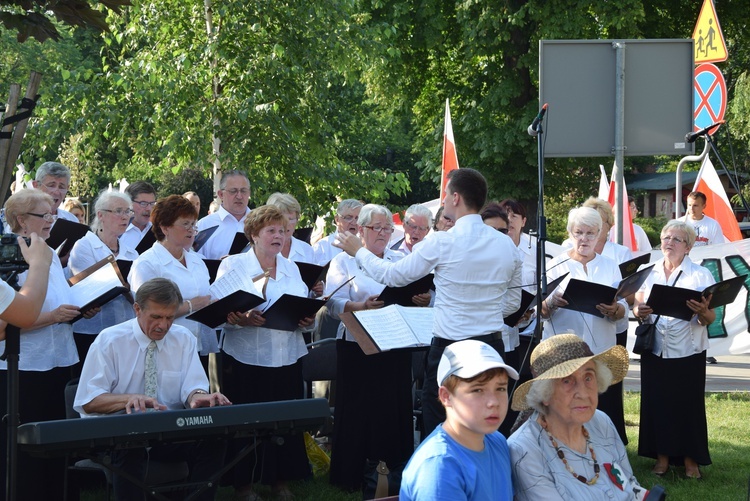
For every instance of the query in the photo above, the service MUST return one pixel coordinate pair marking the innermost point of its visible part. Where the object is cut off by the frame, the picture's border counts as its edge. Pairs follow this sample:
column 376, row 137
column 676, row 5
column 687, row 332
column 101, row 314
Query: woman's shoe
column 693, row 473
column 659, row 470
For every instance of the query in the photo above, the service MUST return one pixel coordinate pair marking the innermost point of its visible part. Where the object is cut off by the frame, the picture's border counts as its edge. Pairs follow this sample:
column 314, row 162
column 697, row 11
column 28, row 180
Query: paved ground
column 731, row 373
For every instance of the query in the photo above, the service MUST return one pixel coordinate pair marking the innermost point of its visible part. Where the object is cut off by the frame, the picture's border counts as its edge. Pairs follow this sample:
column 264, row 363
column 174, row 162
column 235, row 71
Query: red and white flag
column 450, row 158
column 603, row 184
column 717, row 203
column 628, row 234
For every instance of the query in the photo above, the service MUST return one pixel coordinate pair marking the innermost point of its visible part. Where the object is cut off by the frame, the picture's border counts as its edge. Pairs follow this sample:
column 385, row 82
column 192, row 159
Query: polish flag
column 717, row 203
column 450, row 158
column 628, row 234
column 603, row 184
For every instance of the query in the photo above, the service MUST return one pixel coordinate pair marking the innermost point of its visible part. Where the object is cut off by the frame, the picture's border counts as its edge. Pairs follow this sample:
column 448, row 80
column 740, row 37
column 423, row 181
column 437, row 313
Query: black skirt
column 673, row 409
column 373, row 416
column 271, row 462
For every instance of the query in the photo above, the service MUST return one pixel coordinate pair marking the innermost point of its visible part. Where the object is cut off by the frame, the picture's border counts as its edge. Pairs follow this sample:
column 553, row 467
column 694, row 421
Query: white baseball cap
column 468, row 358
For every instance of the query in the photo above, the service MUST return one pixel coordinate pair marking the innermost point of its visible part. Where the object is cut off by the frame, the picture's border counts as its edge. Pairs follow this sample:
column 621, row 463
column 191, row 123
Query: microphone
column 532, row 128
column 690, row 137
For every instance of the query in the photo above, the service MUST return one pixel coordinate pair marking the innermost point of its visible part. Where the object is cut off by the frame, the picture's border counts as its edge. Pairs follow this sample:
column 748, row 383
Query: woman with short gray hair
column 673, row 427
column 112, row 211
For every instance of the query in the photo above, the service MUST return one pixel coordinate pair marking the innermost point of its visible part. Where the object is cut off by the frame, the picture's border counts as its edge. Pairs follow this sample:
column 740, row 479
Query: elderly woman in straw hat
column 568, row 449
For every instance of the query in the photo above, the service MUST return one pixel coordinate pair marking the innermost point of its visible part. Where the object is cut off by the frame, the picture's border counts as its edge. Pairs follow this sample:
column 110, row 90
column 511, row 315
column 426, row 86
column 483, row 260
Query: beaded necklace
column 561, row 455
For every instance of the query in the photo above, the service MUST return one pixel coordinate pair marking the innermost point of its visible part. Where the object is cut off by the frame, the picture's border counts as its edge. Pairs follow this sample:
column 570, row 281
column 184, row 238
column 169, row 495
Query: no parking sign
column 710, row 96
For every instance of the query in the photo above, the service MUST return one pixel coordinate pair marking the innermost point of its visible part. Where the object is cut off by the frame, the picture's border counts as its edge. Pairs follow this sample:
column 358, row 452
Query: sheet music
column 397, row 326
column 97, row 284
column 232, row 281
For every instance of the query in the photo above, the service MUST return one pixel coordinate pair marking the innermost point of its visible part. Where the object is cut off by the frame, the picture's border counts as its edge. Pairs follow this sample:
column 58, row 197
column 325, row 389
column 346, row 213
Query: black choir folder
column 148, row 241
column 97, row 285
column 528, row 301
column 629, row 267
column 286, row 313
column 390, row 328
column 64, row 234
column 671, row 301
column 312, row 273
column 202, row 237
column 402, row 295
column 216, row 313
column 584, row 296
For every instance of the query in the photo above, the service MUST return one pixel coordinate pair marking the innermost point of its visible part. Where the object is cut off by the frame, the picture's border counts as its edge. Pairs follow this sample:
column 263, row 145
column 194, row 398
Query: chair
column 158, row 472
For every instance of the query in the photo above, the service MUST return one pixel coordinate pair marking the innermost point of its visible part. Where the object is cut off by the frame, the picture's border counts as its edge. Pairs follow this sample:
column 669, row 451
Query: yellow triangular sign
column 709, row 40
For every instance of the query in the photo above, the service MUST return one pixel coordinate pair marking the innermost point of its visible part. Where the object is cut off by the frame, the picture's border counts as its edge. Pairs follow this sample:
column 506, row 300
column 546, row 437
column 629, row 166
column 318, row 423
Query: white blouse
column 86, row 252
column 679, row 338
column 52, row 346
column 192, row 280
column 258, row 345
column 599, row 333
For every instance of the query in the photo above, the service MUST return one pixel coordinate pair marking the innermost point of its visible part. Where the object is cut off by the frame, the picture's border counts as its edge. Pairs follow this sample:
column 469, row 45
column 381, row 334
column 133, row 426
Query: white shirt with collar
column 219, row 243
column 192, row 280
column 324, row 251
column 475, row 289
column 52, row 346
column 301, row 251
column 258, row 345
column 63, row 214
column 86, row 252
column 402, row 248
column 598, row 332
column 677, row 338
column 116, row 364
column 343, row 267
column 133, row 235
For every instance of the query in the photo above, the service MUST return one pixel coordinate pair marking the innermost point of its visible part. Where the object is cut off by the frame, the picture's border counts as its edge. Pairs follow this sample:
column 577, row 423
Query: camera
column 11, row 258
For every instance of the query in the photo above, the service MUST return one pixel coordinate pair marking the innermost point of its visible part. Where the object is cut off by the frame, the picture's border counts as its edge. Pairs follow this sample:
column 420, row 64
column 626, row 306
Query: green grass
column 726, row 479
column 728, row 416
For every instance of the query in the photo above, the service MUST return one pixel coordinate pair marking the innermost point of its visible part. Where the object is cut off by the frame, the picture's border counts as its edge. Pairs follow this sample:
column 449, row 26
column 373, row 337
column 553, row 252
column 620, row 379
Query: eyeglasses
column 504, row 231
column 50, row 218
column 669, row 239
column 415, row 227
column 144, row 204
column 236, row 191
column 56, row 186
column 589, row 235
column 188, row 226
column 120, row 212
column 378, row 229
column 347, row 219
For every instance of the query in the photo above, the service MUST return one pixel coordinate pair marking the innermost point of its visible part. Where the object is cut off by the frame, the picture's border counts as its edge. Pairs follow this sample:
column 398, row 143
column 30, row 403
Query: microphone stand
column 12, row 351
column 541, row 238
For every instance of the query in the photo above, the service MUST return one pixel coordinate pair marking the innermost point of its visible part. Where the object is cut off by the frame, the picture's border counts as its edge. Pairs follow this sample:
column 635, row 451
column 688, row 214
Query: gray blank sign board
column 577, row 79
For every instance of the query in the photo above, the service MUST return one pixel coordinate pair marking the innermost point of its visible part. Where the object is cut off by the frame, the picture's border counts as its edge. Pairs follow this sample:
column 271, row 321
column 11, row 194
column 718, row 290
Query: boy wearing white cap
column 465, row 457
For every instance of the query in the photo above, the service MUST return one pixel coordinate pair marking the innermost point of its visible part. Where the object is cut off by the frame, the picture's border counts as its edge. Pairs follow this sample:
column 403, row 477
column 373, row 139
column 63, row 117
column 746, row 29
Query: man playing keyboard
column 149, row 364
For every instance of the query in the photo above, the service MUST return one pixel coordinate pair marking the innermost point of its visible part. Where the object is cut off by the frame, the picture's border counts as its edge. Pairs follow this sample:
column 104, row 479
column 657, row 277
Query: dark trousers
column 204, row 459
column 433, row 412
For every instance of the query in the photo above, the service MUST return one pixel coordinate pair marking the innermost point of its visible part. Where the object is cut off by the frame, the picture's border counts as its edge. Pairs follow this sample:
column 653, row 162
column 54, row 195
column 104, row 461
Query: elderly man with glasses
column 234, row 193
column 417, row 224
column 346, row 220
column 143, row 196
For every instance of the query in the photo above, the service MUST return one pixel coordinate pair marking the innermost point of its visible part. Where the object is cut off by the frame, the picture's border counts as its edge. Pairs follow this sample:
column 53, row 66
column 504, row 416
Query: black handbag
column 645, row 334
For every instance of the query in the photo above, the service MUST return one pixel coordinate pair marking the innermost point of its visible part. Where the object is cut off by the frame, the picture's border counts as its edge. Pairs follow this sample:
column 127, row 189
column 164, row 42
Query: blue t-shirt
column 443, row 469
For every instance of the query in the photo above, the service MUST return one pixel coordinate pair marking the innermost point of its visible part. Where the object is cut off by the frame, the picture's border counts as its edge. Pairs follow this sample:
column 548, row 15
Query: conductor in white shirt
column 474, row 289
column 116, row 378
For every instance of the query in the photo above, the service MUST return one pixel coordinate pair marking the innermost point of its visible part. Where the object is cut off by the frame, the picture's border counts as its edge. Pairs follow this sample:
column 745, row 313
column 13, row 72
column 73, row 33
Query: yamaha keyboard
column 68, row 436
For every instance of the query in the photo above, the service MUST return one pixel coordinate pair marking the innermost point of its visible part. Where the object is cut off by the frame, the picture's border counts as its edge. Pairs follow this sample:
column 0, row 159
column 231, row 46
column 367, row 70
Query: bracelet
column 190, row 308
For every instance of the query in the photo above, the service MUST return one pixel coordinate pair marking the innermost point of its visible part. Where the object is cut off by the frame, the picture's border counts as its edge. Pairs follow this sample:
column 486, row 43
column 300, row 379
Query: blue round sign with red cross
column 710, row 96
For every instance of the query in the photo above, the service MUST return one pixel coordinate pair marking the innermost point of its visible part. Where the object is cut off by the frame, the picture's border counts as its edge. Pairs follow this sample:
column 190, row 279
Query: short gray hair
column 348, row 204
column 418, row 210
column 160, row 291
column 231, row 173
column 370, row 210
column 676, row 225
column 542, row 389
column 102, row 202
column 584, row 216
column 54, row 169
column 284, row 202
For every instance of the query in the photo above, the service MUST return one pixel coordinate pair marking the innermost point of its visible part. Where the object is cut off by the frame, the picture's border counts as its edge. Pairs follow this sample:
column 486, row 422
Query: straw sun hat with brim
column 562, row 355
